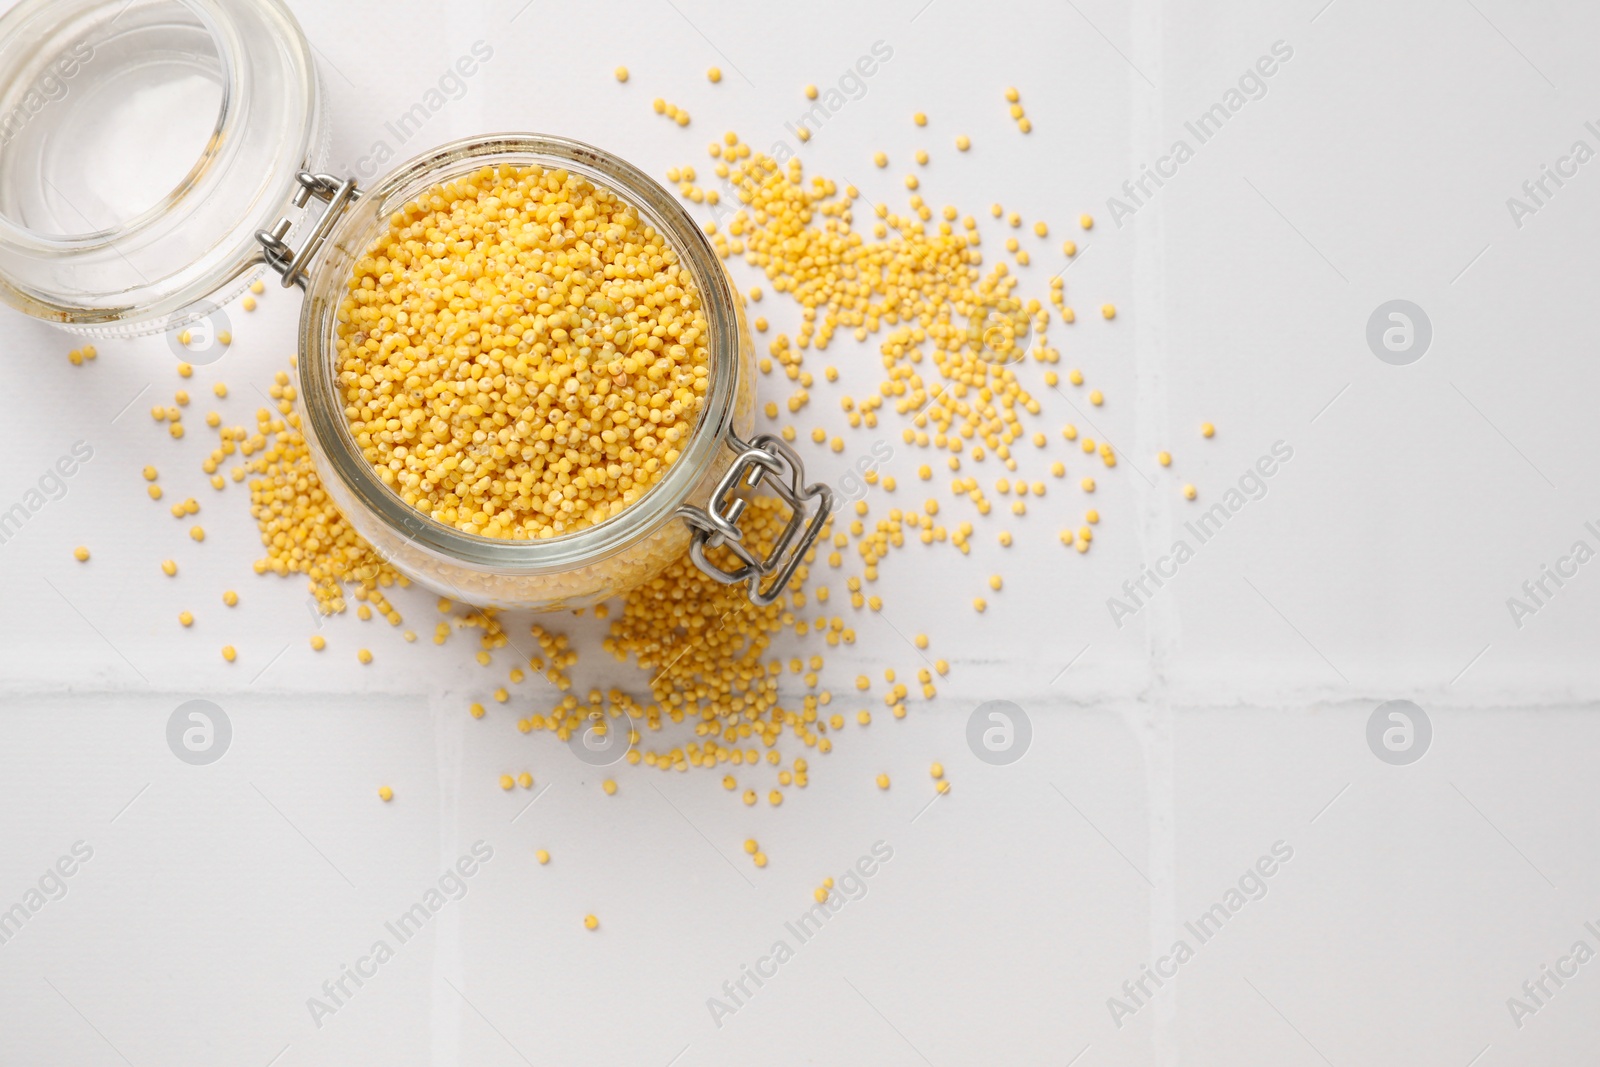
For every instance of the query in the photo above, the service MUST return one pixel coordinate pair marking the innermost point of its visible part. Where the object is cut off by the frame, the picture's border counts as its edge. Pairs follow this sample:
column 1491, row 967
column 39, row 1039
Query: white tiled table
column 1228, row 715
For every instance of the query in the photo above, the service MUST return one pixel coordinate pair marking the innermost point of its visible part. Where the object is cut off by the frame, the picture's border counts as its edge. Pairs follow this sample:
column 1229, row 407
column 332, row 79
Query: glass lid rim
column 256, row 34
column 226, row 38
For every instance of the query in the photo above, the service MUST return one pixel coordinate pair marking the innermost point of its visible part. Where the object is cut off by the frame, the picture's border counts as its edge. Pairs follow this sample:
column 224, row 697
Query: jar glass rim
column 322, row 407
column 225, row 36
column 187, row 237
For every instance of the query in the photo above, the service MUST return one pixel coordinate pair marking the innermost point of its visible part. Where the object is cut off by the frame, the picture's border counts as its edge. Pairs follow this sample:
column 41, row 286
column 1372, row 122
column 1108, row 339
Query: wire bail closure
column 338, row 194
column 768, row 460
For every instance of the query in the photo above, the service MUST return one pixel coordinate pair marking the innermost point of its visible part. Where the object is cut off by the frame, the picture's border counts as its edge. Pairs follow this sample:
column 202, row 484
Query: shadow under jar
column 152, row 259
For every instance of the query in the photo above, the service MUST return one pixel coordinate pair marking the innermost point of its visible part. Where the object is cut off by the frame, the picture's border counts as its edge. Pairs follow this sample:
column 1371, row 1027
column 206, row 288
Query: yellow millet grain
column 919, row 289
column 521, row 355
column 705, row 647
column 303, row 531
column 711, row 655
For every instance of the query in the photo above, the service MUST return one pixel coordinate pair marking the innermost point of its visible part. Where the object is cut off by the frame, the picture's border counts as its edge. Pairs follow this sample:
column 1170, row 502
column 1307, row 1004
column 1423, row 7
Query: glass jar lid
column 142, row 145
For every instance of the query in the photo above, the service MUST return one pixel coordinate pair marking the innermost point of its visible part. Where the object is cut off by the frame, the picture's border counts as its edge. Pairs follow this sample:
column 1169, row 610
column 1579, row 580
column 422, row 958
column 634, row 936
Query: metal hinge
column 291, row 262
column 767, row 459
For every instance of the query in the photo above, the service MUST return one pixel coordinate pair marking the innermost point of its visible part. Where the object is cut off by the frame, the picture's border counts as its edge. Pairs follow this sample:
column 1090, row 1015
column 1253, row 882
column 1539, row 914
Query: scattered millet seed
column 525, row 780
column 365, row 656
column 610, row 786
column 258, row 287
column 169, row 568
column 682, row 627
column 1108, row 311
column 759, row 859
column 230, row 598
column 542, row 856
column 937, row 770
column 385, row 794
column 963, row 143
column 228, row 653
column 979, row 604
column 224, row 337
column 1207, row 430
column 1070, row 248
column 920, row 119
column 621, row 74
column 995, row 582
column 921, row 157
column 811, row 92
column 185, row 618
column 1164, row 458
column 591, row 923
column 318, row 642
column 220, row 390
column 249, row 303
column 507, row 782
column 81, row 554
column 1086, row 221
column 714, row 75
column 1189, row 492
column 197, row 532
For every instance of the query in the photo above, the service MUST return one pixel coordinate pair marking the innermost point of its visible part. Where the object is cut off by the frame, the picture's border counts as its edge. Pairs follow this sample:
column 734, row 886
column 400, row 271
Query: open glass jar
column 225, row 95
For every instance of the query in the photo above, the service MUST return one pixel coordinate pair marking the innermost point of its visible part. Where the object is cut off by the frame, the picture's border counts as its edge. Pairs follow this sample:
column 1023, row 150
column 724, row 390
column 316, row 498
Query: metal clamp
column 767, row 459
column 291, row 262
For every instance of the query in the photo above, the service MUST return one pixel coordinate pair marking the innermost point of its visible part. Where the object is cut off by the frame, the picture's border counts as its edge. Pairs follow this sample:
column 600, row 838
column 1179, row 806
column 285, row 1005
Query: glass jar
column 234, row 82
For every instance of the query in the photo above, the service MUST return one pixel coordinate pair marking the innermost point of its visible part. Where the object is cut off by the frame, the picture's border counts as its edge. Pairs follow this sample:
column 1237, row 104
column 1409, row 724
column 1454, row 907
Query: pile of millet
column 521, row 354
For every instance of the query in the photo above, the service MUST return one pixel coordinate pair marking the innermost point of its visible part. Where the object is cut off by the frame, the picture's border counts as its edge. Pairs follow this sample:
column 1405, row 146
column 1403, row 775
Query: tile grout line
column 1154, row 729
